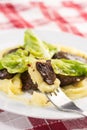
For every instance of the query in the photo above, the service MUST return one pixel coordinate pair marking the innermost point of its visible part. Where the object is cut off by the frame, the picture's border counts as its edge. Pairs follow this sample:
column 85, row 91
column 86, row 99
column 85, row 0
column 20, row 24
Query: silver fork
column 63, row 103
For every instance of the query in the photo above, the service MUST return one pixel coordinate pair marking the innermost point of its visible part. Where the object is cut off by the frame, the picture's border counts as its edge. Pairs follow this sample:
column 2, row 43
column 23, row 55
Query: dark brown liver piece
column 67, row 80
column 4, row 74
column 66, row 55
column 27, row 82
column 46, row 71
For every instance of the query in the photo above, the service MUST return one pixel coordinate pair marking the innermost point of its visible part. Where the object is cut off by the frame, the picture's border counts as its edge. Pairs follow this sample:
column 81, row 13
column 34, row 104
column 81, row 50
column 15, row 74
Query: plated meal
column 36, row 67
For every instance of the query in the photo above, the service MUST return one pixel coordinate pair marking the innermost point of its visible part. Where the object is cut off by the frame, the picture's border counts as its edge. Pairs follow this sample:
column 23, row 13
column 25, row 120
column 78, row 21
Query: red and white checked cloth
column 65, row 16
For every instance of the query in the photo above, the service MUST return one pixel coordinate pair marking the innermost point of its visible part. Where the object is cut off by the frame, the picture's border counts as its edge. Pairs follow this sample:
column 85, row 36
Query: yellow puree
column 13, row 86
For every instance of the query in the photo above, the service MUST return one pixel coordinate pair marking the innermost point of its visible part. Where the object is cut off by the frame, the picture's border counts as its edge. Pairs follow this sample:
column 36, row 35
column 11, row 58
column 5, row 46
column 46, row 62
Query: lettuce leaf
column 35, row 46
column 16, row 62
column 69, row 67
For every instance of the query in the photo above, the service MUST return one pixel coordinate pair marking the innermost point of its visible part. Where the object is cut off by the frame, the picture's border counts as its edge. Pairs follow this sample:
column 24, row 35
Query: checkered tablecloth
column 67, row 16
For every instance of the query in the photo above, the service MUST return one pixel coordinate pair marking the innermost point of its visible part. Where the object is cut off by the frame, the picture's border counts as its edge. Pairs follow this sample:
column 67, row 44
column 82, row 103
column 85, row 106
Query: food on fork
column 42, row 67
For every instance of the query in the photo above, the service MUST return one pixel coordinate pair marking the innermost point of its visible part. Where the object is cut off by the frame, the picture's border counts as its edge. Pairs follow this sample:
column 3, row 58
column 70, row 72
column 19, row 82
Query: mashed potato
column 11, row 86
column 77, row 90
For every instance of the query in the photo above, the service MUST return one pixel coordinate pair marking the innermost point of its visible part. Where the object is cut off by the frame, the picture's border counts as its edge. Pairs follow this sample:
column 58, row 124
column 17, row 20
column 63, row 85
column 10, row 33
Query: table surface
column 67, row 16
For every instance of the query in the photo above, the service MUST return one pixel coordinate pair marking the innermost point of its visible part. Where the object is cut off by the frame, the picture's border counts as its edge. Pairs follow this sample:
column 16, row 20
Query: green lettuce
column 69, row 67
column 16, row 62
column 36, row 47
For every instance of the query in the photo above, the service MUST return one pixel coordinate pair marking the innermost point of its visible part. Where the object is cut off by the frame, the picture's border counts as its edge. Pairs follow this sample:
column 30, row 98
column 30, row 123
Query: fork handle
column 83, row 113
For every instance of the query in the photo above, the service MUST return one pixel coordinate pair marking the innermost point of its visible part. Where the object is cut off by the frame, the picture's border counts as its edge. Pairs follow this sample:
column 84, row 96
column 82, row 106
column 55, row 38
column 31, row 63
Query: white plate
column 13, row 37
